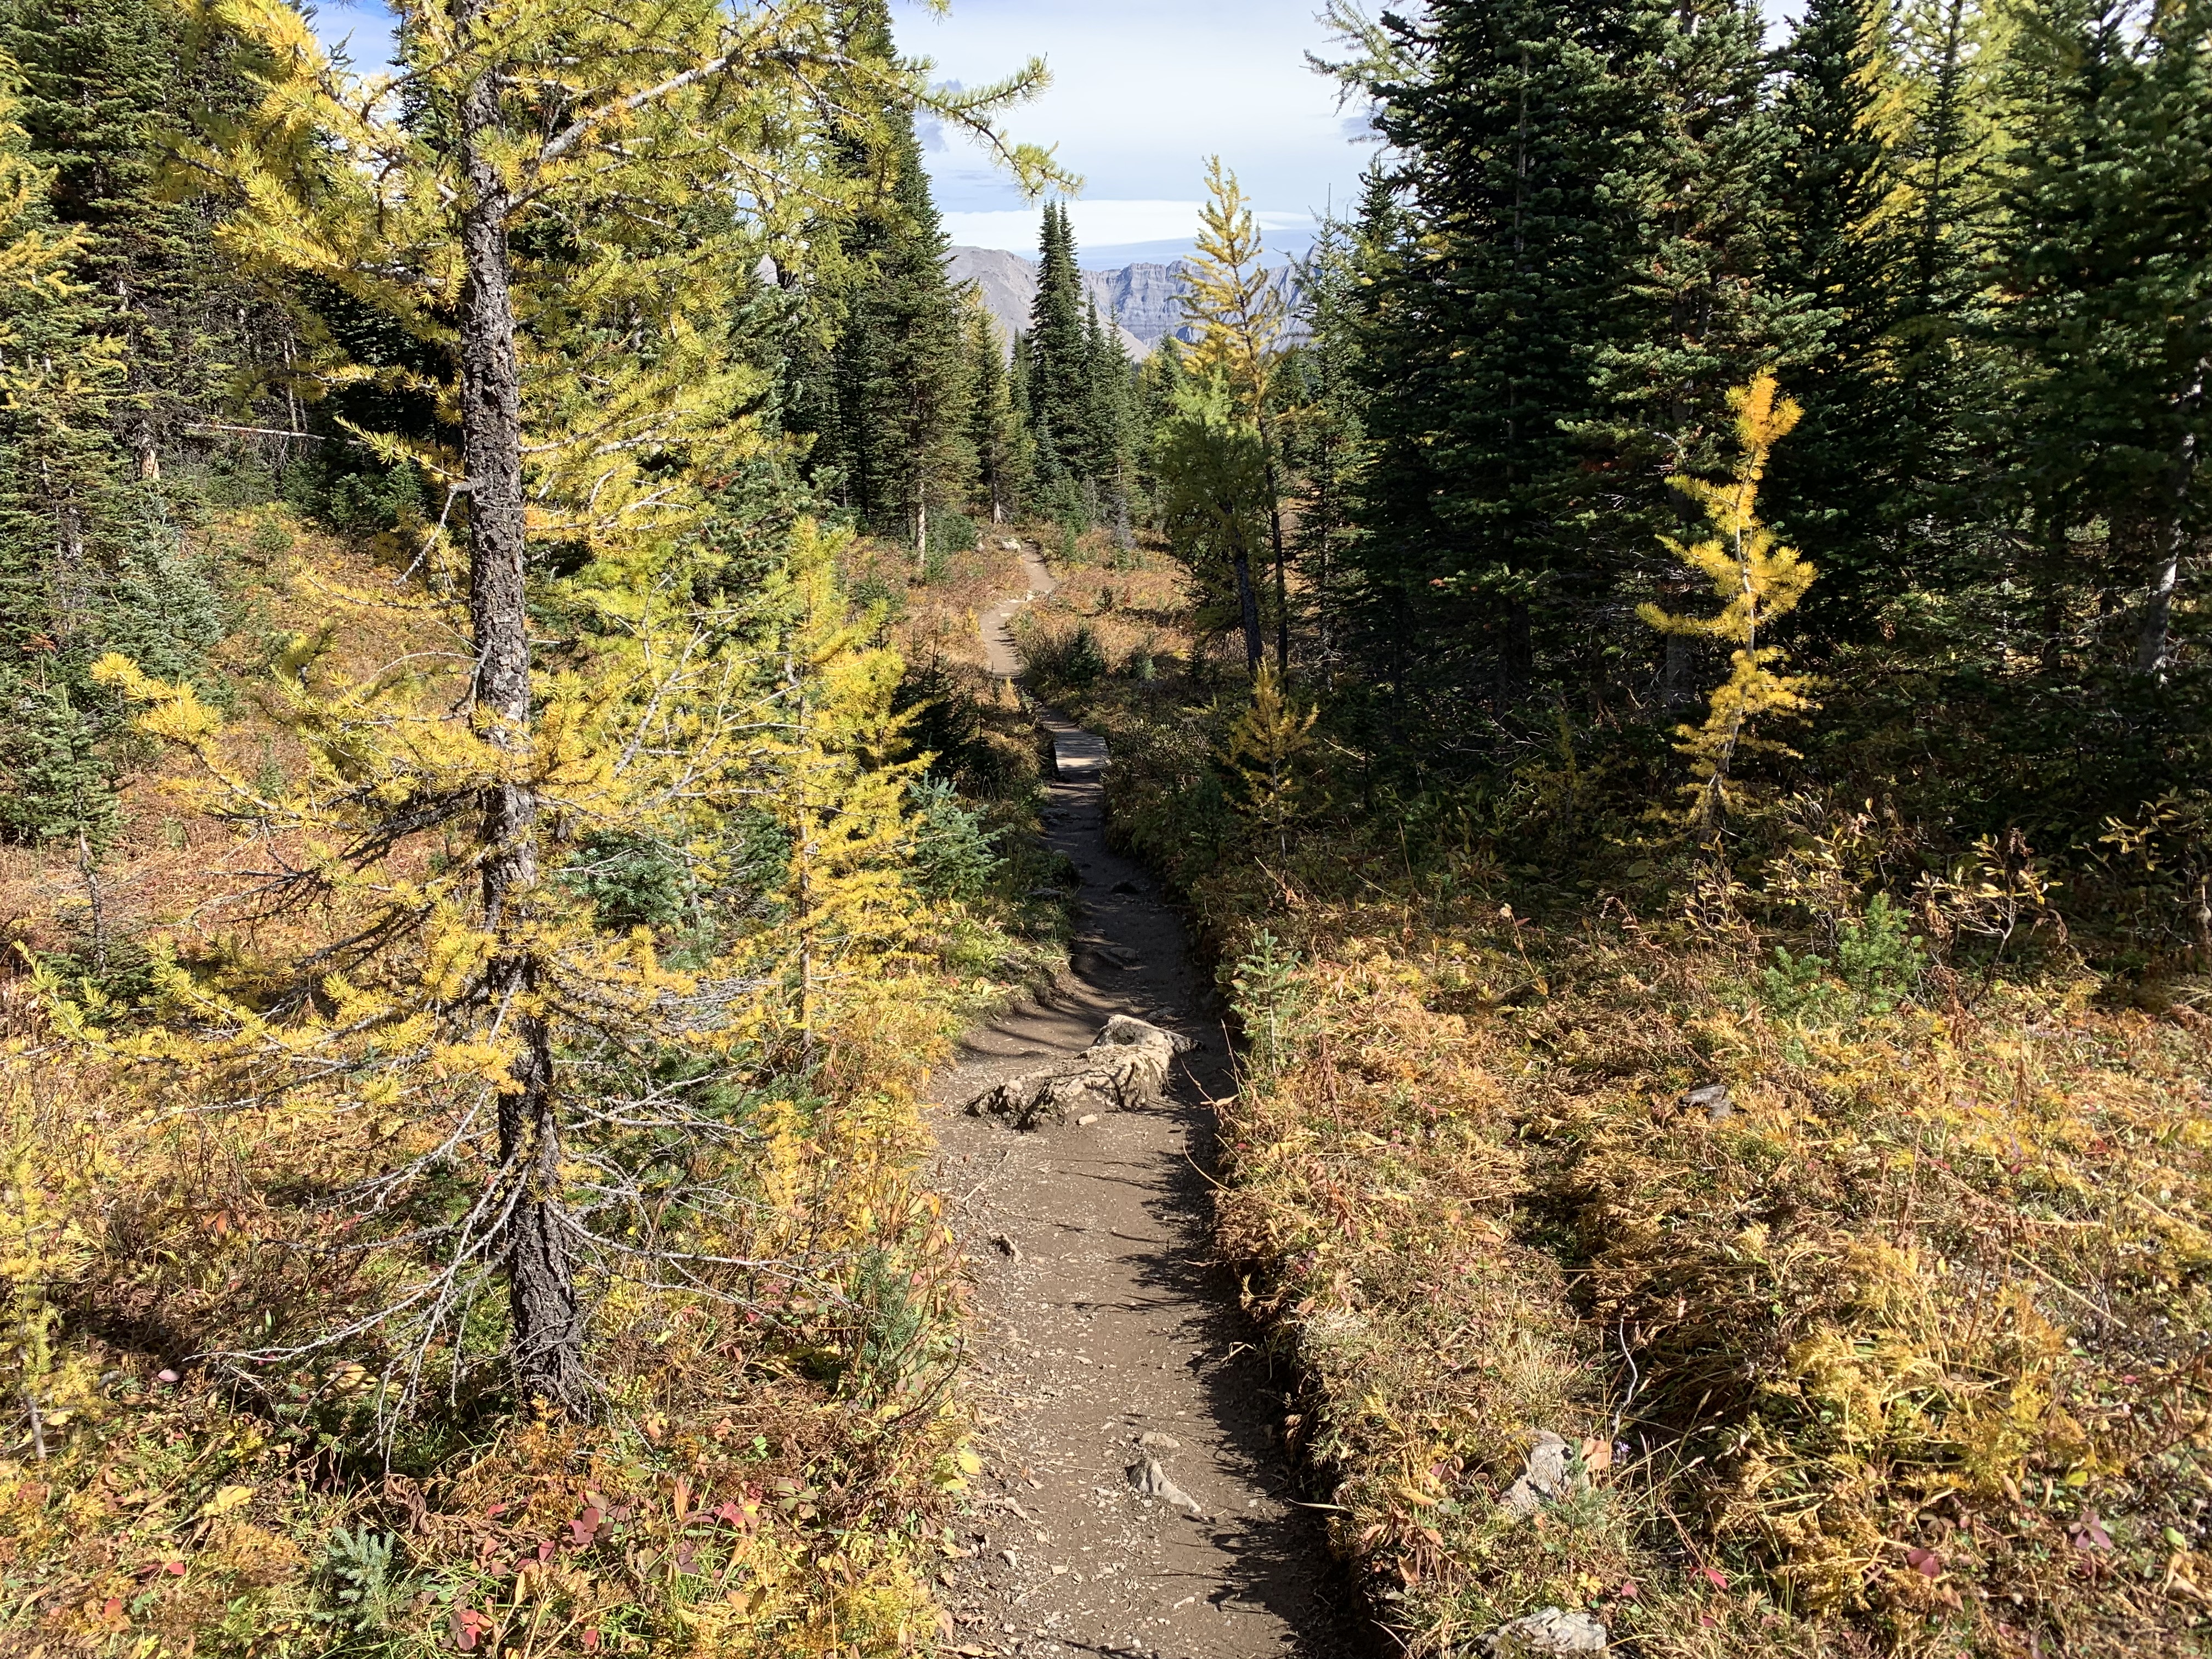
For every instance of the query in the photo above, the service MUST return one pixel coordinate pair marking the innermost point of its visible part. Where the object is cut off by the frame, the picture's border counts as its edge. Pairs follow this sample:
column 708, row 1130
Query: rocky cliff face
column 1147, row 298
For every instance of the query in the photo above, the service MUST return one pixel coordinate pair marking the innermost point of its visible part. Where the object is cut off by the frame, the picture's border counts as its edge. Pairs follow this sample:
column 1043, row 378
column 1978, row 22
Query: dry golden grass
column 1135, row 603
column 1904, row 1351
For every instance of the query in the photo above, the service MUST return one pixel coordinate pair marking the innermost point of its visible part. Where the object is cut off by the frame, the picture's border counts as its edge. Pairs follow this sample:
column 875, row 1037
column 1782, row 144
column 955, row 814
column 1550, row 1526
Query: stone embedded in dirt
column 1086, row 1120
column 1005, row 1247
column 1125, row 887
column 1126, row 1066
column 1550, row 1630
column 1713, row 1099
column 1152, row 1440
column 1147, row 1475
column 1547, row 1476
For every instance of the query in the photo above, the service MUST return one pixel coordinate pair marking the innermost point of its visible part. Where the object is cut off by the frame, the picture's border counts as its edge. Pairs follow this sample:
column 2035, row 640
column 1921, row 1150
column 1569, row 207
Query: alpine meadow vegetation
column 1714, row 901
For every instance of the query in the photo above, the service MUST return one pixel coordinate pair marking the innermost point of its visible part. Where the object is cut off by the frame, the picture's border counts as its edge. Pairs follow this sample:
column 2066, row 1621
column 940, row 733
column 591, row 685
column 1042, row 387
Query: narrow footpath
column 1103, row 1335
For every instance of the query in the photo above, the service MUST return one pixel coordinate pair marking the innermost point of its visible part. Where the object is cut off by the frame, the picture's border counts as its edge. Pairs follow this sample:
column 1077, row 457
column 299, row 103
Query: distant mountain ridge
column 1146, row 298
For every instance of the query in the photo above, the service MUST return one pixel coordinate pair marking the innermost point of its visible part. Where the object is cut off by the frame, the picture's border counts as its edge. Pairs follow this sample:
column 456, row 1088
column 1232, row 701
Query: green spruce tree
column 1831, row 483
column 1493, row 259
column 1692, row 314
column 893, row 416
column 1059, row 369
column 997, row 431
column 1325, row 444
column 2105, row 250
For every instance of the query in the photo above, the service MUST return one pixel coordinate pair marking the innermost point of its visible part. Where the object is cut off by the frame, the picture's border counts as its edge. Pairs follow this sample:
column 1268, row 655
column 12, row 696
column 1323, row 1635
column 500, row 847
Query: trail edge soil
column 1104, row 1336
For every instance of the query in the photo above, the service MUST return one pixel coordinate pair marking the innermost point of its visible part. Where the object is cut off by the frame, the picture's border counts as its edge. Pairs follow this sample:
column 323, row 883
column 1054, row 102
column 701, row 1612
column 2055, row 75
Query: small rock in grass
column 1547, row 1476
column 1713, row 1099
column 1550, row 1630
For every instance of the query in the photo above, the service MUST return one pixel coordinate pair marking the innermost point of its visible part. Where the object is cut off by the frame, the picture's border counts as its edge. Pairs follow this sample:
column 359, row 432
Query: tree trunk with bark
column 1282, row 571
column 1247, row 611
column 549, row 1325
column 2154, row 641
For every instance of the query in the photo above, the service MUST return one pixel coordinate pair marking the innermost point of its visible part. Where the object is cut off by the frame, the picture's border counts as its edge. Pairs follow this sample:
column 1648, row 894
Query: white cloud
column 1143, row 92
column 1098, row 223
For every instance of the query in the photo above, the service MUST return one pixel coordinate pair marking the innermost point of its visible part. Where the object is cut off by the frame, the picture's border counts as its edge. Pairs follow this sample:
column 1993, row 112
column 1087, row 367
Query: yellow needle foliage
column 776, row 712
column 652, row 156
column 1264, row 746
column 1238, row 313
column 1757, row 580
column 687, row 971
column 1236, row 309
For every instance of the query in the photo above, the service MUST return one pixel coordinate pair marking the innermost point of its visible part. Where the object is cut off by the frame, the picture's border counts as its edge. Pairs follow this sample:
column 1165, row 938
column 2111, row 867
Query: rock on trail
column 1126, row 1067
column 1134, row 1498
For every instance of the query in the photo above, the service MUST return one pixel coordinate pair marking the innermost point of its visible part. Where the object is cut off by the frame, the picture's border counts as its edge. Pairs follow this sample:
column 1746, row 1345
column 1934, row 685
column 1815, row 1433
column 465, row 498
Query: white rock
column 1147, row 1475
column 1550, row 1630
column 1713, row 1099
column 1546, row 1478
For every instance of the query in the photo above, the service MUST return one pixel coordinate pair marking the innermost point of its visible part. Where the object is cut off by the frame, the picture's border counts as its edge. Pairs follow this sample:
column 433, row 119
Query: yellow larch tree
column 569, row 208
column 1237, row 307
column 1757, row 580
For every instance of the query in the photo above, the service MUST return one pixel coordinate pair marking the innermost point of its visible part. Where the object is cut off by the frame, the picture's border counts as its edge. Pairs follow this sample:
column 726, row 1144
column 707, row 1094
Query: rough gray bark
column 2154, row 641
column 1282, row 560
column 1247, row 610
column 1674, row 677
column 549, row 1325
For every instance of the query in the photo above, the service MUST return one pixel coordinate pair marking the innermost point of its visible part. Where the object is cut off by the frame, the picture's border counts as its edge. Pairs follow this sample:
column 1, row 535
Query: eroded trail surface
column 1104, row 1338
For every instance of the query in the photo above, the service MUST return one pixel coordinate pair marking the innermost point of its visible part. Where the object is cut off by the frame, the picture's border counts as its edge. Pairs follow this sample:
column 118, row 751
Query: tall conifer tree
column 1237, row 313
column 1831, row 480
column 1058, row 366
column 2104, row 247
column 572, row 238
column 1497, row 253
column 997, row 431
column 1693, row 314
column 899, row 374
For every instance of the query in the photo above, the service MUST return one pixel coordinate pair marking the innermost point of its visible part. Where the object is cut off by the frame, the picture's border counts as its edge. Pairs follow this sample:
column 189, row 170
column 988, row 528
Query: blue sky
column 1143, row 91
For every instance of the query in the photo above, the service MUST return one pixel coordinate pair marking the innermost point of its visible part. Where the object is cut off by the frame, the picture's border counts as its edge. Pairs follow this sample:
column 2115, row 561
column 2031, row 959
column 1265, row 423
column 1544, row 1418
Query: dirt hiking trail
column 1104, row 1336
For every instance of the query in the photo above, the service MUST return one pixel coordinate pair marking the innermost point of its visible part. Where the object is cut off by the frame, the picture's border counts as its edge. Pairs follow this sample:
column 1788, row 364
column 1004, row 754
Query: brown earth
column 1104, row 1333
